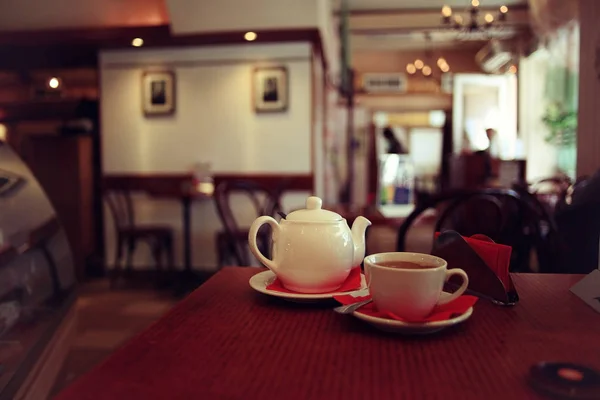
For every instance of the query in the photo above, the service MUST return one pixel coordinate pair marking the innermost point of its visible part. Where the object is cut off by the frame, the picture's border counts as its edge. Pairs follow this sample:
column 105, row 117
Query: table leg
column 187, row 234
column 188, row 280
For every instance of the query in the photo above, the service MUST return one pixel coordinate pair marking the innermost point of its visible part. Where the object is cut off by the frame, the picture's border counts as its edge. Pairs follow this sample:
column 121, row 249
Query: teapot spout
column 359, row 228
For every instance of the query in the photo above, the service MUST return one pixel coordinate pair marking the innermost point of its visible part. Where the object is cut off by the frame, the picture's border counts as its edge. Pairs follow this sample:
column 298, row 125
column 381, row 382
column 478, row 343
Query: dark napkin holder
column 483, row 280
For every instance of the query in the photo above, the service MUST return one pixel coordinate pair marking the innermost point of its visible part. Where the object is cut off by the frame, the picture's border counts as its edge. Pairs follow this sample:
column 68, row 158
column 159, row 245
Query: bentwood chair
column 501, row 214
column 232, row 241
column 129, row 234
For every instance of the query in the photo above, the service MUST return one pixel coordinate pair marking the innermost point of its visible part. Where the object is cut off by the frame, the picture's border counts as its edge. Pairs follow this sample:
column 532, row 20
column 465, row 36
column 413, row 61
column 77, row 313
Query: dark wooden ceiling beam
column 79, row 47
column 156, row 36
column 87, row 36
column 47, row 57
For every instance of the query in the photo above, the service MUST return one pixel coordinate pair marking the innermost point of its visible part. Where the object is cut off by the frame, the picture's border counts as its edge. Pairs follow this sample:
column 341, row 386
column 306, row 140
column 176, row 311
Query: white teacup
column 409, row 285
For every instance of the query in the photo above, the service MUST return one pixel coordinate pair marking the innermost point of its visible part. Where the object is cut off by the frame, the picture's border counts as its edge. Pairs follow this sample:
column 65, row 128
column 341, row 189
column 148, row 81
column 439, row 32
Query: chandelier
column 424, row 66
column 473, row 25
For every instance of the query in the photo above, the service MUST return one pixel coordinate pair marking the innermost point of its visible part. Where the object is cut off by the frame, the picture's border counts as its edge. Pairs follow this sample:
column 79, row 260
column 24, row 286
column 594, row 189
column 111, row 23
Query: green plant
column 561, row 123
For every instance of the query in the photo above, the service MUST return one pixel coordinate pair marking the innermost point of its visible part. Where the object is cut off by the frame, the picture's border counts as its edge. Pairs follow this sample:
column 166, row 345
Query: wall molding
column 291, row 181
column 175, row 184
column 407, row 11
column 204, row 63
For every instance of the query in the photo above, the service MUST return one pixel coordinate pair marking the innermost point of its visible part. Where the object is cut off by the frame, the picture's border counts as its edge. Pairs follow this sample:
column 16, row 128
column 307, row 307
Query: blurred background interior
column 159, row 129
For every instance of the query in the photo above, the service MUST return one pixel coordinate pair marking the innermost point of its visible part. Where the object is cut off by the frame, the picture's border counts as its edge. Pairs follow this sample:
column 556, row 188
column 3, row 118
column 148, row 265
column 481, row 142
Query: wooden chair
column 128, row 234
column 501, row 214
column 232, row 242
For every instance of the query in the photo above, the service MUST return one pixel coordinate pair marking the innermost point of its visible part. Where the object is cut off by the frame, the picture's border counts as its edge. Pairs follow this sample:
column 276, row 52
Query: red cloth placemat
column 352, row 282
column 440, row 313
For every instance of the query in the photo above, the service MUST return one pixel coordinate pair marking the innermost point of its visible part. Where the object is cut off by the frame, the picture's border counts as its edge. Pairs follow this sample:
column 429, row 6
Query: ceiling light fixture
column 250, row 36
column 425, row 69
column 503, row 12
column 447, row 11
column 137, row 42
column 53, row 83
column 474, row 26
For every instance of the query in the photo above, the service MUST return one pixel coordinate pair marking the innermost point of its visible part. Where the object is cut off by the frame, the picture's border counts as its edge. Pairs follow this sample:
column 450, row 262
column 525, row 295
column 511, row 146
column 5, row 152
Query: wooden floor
column 106, row 320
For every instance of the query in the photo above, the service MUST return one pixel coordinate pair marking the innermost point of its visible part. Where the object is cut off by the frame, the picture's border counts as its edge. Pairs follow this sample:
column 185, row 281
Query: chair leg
column 230, row 256
column 113, row 279
column 170, row 259
column 157, row 253
column 222, row 247
column 129, row 257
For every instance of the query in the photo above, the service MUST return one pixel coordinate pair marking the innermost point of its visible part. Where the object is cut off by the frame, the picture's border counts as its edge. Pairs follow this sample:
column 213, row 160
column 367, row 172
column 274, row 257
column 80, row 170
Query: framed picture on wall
column 158, row 93
column 270, row 89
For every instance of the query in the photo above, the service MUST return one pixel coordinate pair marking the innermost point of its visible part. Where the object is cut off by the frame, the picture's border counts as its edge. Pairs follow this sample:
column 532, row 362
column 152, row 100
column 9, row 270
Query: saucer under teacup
column 262, row 280
column 412, row 328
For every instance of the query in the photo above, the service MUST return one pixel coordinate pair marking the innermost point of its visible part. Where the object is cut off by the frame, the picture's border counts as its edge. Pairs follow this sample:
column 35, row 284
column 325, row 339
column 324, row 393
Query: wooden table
column 226, row 341
column 181, row 187
column 187, row 194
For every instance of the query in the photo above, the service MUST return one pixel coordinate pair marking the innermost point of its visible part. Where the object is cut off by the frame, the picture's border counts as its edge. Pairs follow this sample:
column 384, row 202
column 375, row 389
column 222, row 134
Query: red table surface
column 226, row 341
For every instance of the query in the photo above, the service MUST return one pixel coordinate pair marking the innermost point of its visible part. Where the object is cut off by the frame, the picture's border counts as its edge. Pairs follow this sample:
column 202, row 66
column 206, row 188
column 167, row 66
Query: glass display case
column 37, row 279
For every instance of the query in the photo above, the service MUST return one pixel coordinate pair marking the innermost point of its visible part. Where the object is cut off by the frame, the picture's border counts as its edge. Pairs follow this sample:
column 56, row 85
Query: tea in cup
column 409, row 285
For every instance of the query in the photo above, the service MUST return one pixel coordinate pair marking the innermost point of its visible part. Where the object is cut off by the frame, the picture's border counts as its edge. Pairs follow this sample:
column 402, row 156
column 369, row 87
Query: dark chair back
column 476, row 213
column 121, row 208
column 264, row 201
column 501, row 214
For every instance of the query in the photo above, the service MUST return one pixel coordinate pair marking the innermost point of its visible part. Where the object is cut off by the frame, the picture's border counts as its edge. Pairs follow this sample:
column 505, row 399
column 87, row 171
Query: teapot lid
column 313, row 212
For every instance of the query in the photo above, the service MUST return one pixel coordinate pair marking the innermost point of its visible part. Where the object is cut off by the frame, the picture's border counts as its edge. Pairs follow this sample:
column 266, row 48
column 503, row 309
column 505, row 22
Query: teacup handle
column 253, row 232
column 461, row 289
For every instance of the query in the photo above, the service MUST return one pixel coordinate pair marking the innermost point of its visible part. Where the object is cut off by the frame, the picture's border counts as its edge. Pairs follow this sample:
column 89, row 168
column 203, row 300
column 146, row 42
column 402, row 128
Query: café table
column 226, row 341
column 172, row 186
column 182, row 187
column 187, row 191
column 191, row 279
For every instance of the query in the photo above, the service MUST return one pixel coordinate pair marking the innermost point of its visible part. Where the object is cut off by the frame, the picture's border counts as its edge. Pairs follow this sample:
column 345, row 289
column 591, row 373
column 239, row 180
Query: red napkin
column 440, row 313
column 495, row 255
column 352, row 282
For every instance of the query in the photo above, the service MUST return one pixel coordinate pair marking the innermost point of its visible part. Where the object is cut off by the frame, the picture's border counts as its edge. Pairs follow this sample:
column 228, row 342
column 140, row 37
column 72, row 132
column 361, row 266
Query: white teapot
column 313, row 249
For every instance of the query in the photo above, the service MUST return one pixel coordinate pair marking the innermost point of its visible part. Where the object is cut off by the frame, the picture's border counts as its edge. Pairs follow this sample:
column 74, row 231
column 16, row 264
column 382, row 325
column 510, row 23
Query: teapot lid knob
column 313, row 212
column 314, row 203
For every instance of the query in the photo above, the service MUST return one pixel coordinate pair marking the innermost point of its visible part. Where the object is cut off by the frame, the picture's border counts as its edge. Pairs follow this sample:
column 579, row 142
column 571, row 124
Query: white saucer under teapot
column 314, row 250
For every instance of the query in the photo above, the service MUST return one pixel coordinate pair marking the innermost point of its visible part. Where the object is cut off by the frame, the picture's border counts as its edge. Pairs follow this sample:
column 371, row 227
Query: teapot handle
column 253, row 232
